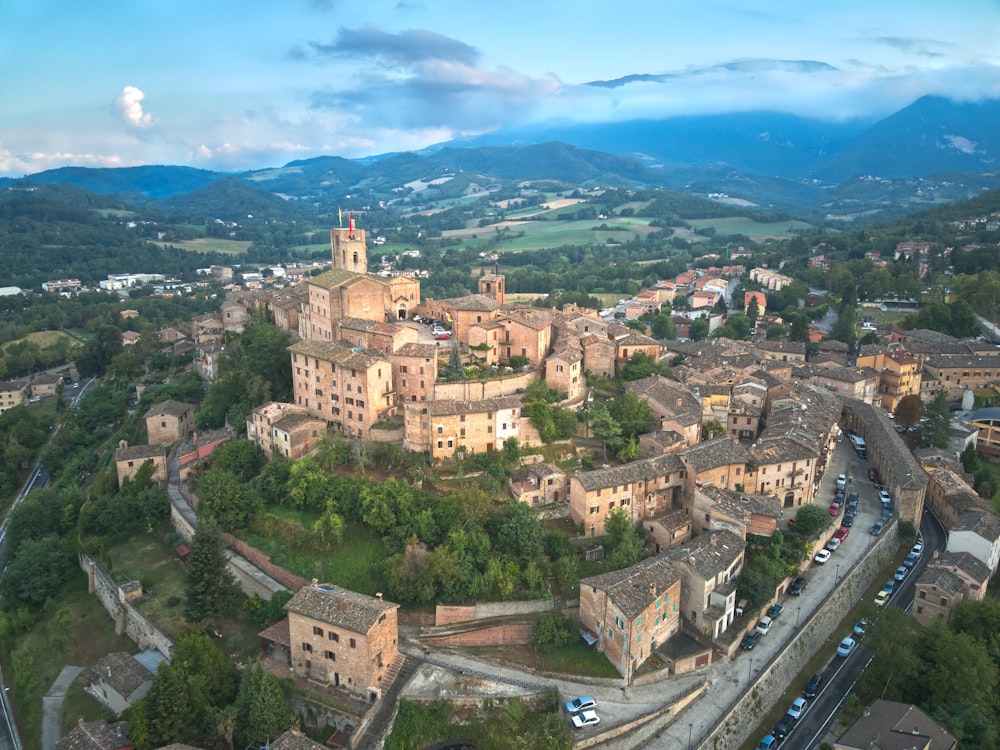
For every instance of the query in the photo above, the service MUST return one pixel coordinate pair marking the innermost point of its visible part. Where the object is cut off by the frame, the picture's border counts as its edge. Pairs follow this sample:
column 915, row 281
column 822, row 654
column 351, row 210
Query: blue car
column 583, row 703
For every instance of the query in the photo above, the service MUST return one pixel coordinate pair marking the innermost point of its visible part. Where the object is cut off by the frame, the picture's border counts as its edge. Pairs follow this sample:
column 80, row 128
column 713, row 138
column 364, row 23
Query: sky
column 231, row 85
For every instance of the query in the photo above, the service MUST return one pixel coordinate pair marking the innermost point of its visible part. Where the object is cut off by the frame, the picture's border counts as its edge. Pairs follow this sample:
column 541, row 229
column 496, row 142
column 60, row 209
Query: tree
column 909, row 410
column 799, row 331
column 937, row 428
column 552, row 630
column 37, row 571
column 211, row 591
column 226, row 501
column 624, row 542
column 241, row 458
column 519, row 533
column 753, row 311
column 163, row 716
column 698, row 330
column 641, row 365
column 633, row 414
column 605, row 428
column 712, row 428
column 776, row 332
column 261, row 712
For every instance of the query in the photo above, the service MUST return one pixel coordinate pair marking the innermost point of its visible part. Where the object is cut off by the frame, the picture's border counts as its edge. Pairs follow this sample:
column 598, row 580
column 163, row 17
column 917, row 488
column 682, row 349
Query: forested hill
column 54, row 232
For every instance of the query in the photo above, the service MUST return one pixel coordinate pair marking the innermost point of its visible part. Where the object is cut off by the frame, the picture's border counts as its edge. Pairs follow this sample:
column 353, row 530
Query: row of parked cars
column 882, row 597
column 582, row 712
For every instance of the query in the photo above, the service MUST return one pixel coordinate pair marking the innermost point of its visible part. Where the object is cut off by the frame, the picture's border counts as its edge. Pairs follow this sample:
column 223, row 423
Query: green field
column 209, row 245
column 538, row 235
column 755, row 230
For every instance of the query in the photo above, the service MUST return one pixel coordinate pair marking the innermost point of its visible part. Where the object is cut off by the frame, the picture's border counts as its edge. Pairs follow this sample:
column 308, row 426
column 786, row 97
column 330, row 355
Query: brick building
column 440, row 428
column 630, row 612
column 12, row 393
column 709, row 565
column 284, row 429
column 900, row 374
column 675, row 405
column 341, row 638
column 414, row 372
column 373, row 334
column 168, row 422
column 346, row 387
column 539, row 484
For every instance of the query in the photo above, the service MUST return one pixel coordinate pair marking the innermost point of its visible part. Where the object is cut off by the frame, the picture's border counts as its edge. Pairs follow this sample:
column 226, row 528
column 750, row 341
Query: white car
column 586, row 719
column 846, row 647
column 822, row 556
column 764, row 625
column 797, row 708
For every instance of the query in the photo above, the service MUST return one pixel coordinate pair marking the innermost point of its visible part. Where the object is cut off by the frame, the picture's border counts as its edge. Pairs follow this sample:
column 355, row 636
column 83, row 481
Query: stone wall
column 448, row 615
column 771, row 683
column 261, row 560
column 479, row 390
column 509, row 634
column 128, row 620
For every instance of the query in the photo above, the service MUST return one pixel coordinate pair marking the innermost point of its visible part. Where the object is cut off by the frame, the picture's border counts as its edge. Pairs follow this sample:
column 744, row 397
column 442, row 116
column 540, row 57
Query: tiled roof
column 636, row 339
column 340, row 353
column 966, row 562
column 633, row 589
column 120, row 671
column 943, row 578
column 635, row 471
column 905, row 469
column 673, row 397
column 896, row 726
column 289, row 423
column 337, row 606
column 711, row 454
column 737, row 504
column 710, row 553
column 410, row 349
column 133, row 452
column 336, row 277
column 96, row 735
column 370, row 326
column 447, row 407
column 172, row 408
column 470, row 303
column 963, row 360
column 293, row 739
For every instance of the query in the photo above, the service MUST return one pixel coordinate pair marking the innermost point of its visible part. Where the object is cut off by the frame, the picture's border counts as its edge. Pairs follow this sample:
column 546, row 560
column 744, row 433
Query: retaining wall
column 516, row 634
column 448, row 615
column 771, row 683
column 479, row 390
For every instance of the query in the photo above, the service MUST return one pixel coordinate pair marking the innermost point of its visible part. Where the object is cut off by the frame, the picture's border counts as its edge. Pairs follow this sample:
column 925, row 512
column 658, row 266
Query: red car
column 834, row 509
column 443, row 336
column 841, row 533
column 872, row 474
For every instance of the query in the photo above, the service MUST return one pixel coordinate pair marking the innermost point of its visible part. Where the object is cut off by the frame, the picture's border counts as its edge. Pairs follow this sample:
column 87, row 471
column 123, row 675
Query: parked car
column 861, row 627
column 884, row 496
column 852, row 499
column 841, row 480
column 764, row 625
column 846, row 647
column 822, row 556
column 785, row 725
column 848, row 519
column 812, row 687
column 797, row 708
column 890, row 585
column 583, row 703
column 900, row 573
column 798, row 586
column 585, row 719
column 842, row 533
column 911, row 560
column 834, row 508
column 873, row 473
column 918, row 549
column 877, row 528
column 768, row 743
column 750, row 639
column 442, row 336
column 882, row 598
column 833, row 544
column 775, row 610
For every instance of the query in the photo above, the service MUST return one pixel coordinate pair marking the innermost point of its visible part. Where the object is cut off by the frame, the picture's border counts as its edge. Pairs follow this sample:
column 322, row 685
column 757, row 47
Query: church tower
column 347, row 248
column 491, row 285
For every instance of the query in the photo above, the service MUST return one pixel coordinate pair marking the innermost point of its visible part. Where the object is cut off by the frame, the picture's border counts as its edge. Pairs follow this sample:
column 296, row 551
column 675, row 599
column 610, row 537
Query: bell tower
column 347, row 248
column 491, row 285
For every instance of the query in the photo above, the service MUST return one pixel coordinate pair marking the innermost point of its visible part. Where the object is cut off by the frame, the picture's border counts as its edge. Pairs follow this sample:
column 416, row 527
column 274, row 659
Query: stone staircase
column 397, row 674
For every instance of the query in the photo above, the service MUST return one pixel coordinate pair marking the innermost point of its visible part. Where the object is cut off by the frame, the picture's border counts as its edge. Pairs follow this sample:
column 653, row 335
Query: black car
column 750, row 639
column 848, row 519
column 785, row 725
column 812, row 687
column 798, row 586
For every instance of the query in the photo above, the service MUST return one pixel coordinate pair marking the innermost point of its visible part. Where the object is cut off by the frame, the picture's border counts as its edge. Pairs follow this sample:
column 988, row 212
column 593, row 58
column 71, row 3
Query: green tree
column 519, row 533
column 163, row 716
column 633, row 414
column 909, row 410
column 37, row 571
column 641, row 365
column 624, row 542
column 226, row 501
column 937, row 429
column 241, row 458
column 712, row 428
column 698, row 330
column 605, row 428
column 210, row 590
column 553, row 630
column 261, row 713
column 753, row 311
column 799, row 331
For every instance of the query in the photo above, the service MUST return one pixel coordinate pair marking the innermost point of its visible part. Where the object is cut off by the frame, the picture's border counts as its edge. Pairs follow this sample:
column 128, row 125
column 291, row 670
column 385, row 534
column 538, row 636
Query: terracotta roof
column 337, row 606
column 673, row 397
column 337, row 277
column 635, row 471
column 470, row 303
column 635, row 588
column 711, row 454
column 966, row 562
column 737, row 504
column 410, row 349
column 963, row 360
column 291, row 421
column 278, row 633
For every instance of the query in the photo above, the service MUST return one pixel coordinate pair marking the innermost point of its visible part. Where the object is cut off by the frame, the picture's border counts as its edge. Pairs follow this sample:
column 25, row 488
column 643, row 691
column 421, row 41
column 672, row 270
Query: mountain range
column 931, row 151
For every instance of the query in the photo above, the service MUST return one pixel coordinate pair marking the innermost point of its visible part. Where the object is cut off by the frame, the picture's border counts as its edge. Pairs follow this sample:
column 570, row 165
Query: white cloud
column 129, row 106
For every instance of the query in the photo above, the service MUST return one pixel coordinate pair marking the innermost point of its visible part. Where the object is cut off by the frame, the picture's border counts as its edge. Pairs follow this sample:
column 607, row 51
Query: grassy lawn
column 34, row 663
column 147, row 559
column 209, row 245
column 45, row 339
column 285, row 534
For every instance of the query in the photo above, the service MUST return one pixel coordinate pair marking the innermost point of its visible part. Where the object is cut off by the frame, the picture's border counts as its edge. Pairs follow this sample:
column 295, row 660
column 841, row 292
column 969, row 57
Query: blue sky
column 233, row 85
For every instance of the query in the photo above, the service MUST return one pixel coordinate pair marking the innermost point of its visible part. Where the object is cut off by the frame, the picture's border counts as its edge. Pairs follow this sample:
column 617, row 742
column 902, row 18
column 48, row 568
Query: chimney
column 378, row 595
column 652, row 589
column 715, row 540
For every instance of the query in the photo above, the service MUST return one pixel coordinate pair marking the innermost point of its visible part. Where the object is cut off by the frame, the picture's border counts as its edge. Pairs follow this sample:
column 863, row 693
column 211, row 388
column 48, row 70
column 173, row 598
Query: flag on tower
column 340, row 217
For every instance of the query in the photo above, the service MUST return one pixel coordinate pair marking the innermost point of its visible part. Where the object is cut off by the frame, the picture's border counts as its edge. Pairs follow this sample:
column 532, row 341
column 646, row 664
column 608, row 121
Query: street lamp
column 798, row 611
column 690, row 728
column 750, row 673
column 838, row 573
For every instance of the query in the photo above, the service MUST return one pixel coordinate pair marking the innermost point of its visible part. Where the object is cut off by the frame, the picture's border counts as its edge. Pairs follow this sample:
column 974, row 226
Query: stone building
column 12, row 393
column 130, row 458
column 284, row 429
column 341, row 638
column 168, row 422
column 414, row 372
column 441, row 428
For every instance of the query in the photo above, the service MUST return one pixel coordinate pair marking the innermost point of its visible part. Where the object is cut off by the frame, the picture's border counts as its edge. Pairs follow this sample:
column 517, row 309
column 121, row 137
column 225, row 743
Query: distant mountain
column 743, row 66
column 233, row 199
column 771, row 159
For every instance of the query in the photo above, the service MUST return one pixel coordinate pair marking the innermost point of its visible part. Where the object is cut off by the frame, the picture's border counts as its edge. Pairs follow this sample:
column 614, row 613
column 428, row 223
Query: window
column 307, row 647
column 440, row 429
column 317, row 631
column 353, row 643
column 330, row 655
column 333, row 637
column 402, row 368
column 440, row 443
